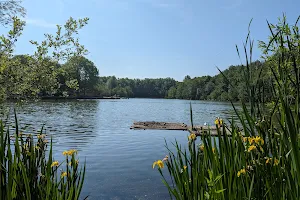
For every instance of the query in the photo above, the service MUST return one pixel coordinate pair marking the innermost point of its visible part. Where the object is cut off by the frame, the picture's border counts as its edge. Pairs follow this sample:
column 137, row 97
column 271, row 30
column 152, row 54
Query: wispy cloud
column 39, row 23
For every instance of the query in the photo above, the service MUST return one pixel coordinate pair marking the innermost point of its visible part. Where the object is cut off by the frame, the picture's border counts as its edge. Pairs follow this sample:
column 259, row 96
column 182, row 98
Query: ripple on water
column 118, row 160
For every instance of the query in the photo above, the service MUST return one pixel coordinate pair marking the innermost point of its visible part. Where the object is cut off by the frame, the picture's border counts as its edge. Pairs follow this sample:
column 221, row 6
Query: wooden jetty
column 198, row 130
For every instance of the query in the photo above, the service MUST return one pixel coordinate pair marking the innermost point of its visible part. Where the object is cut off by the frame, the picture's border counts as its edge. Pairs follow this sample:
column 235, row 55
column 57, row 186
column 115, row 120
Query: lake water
column 118, row 160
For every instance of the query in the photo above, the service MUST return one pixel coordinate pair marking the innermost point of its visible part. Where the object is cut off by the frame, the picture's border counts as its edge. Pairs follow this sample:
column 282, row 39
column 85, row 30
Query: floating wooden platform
column 159, row 126
column 168, row 126
column 198, row 130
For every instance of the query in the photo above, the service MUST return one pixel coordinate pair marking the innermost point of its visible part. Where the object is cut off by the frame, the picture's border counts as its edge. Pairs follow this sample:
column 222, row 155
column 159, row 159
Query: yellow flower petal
column 154, row 163
column 63, row 174
column 242, row 171
column 55, row 164
column 202, row 147
column 192, row 136
column 214, row 150
column 160, row 164
column 251, row 148
column 70, row 152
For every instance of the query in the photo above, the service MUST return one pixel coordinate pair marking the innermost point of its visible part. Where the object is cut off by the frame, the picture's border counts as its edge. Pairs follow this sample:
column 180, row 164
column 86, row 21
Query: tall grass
column 261, row 159
column 28, row 170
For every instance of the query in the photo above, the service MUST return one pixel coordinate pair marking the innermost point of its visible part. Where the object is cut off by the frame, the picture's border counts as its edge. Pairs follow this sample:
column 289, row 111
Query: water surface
column 118, row 160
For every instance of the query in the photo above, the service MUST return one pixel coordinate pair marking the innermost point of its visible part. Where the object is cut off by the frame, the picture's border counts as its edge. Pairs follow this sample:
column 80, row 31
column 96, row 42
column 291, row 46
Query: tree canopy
column 10, row 9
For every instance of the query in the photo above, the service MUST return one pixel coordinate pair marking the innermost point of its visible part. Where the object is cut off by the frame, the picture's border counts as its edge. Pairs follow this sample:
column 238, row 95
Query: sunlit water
column 118, row 160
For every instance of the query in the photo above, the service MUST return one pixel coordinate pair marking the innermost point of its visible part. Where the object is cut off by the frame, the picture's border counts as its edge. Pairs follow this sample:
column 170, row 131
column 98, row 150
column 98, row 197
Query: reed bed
column 262, row 158
column 29, row 171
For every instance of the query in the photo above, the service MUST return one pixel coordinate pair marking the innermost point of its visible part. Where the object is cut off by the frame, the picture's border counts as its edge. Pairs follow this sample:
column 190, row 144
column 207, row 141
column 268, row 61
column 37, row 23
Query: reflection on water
column 118, row 160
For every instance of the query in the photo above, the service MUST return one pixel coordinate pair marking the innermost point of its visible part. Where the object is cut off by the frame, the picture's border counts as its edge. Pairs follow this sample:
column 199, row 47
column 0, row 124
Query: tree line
column 79, row 77
column 227, row 85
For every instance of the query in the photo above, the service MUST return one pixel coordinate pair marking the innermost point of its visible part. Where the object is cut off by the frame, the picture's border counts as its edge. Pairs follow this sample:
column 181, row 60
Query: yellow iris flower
column 251, row 140
column 254, row 140
column 259, row 140
column 63, row 174
column 276, row 162
column 218, row 121
column 70, row 152
column 159, row 163
column 55, row 164
column 192, row 136
column 201, row 147
column 251, row 148
column 242, row 171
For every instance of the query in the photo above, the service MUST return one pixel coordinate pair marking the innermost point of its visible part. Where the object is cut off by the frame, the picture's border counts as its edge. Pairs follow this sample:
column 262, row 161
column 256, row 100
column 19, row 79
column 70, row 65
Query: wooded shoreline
column 80, row 97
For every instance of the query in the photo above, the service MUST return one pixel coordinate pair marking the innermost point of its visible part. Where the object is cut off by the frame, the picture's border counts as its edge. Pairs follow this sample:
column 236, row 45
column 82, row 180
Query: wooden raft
column 198, row 130
column 159, row 126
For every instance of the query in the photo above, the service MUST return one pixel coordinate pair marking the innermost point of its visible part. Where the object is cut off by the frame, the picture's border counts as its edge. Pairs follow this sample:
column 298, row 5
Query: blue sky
column 158, row 38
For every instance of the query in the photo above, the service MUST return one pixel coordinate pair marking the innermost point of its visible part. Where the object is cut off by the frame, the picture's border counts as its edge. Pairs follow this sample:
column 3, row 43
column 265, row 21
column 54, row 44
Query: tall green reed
column 28, row 171
column 256, row 157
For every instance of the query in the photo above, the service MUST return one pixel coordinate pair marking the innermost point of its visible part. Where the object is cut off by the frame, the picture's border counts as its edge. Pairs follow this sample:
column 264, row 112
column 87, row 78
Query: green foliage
column 145, row 88
column 63, row 45
column 7, row 75
column 27, row 173
column 219, row 88
column 7, row 42
column 258, row 156
column 80, row 74
column 10, row 9
column 111, row 83
column 26, row 76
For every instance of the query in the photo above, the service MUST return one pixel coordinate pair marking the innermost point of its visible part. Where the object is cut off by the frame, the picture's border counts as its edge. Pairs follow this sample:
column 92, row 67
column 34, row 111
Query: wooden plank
column 167, row 126
column 159, row 126
column 198, row 129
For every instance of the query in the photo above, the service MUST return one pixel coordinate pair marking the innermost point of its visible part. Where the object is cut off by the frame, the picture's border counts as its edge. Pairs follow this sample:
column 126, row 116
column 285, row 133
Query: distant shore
column 80, row 97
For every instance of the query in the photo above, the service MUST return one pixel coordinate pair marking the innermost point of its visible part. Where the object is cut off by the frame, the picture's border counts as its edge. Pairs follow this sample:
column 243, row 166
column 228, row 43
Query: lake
column 118, row 160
